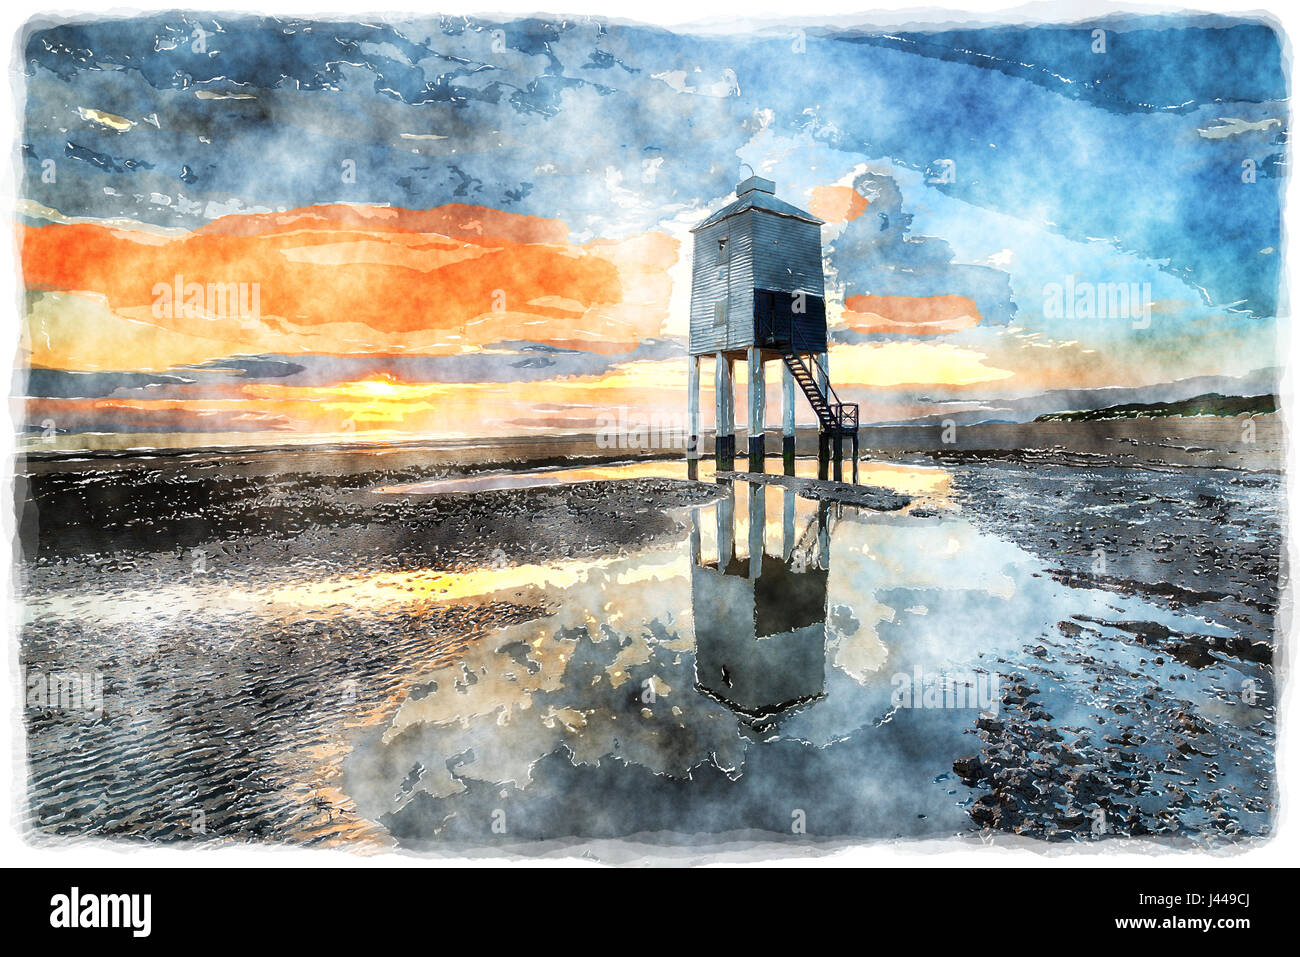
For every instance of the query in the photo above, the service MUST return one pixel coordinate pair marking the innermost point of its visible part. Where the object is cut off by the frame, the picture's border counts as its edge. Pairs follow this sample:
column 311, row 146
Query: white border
column 723, row 14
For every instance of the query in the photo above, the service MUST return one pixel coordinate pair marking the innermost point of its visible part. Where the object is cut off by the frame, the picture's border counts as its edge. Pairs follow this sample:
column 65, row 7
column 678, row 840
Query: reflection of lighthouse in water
column 760, row 623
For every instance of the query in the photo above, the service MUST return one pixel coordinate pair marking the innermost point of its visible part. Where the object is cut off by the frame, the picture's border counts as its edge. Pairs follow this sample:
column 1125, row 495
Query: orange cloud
column 455, row 220
column 836, row 204
column 383, row 405
column 911, row 315
column 341, row 279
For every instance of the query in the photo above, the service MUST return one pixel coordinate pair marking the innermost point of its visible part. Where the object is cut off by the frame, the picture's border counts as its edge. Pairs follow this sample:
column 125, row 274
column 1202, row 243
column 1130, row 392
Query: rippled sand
column 383, row 661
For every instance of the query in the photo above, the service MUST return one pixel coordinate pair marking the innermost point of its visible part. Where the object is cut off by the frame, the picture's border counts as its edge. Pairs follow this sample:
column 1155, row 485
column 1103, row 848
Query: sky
column 264, row 231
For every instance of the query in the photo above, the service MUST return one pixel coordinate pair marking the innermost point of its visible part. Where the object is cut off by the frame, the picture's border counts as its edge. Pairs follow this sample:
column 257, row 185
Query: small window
column 722, row 249
column 719, row 313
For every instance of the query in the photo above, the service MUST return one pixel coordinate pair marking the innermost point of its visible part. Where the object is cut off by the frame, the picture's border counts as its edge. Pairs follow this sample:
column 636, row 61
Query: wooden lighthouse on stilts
column 757, row 294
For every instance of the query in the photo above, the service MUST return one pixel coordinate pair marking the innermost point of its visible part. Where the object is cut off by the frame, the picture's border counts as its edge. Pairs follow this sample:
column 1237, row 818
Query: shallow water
column 738, row 680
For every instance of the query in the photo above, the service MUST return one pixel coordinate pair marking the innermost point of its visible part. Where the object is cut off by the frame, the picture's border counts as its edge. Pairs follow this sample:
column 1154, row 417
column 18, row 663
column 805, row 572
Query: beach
column 384, row 649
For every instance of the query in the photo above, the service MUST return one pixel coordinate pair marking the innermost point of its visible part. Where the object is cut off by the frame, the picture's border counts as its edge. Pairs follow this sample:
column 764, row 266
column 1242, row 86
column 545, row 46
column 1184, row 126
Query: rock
column 970, row 769
column 987, row 810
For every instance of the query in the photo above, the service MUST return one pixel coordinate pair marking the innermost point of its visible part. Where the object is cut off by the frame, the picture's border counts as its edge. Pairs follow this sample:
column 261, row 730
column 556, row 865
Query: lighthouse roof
column 758, row 193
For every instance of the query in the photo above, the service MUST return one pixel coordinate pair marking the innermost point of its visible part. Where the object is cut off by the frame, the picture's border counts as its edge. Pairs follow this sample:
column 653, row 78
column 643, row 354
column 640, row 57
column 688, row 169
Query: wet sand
column 300, row 656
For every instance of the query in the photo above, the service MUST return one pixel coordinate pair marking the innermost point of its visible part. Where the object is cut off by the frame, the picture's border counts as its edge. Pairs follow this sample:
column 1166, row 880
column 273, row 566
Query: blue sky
column 995, row 162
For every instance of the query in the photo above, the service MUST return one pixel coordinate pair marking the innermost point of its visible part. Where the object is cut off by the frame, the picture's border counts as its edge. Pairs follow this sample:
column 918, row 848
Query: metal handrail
column 839, row 407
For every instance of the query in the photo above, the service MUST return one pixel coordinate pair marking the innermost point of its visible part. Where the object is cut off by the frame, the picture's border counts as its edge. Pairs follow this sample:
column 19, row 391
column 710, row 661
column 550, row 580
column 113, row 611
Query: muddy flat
column 361, row 656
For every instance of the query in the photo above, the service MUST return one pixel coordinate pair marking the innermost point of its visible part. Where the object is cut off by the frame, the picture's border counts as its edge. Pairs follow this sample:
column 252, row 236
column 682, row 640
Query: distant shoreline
column 1175, row 441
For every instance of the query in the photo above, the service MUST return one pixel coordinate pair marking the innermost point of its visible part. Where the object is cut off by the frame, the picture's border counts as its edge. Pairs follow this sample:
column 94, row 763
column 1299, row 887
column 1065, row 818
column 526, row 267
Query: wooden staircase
column 835, row 417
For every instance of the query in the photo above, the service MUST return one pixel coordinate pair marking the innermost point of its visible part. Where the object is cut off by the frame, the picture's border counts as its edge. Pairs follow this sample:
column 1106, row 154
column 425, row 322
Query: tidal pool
column 777, row 670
